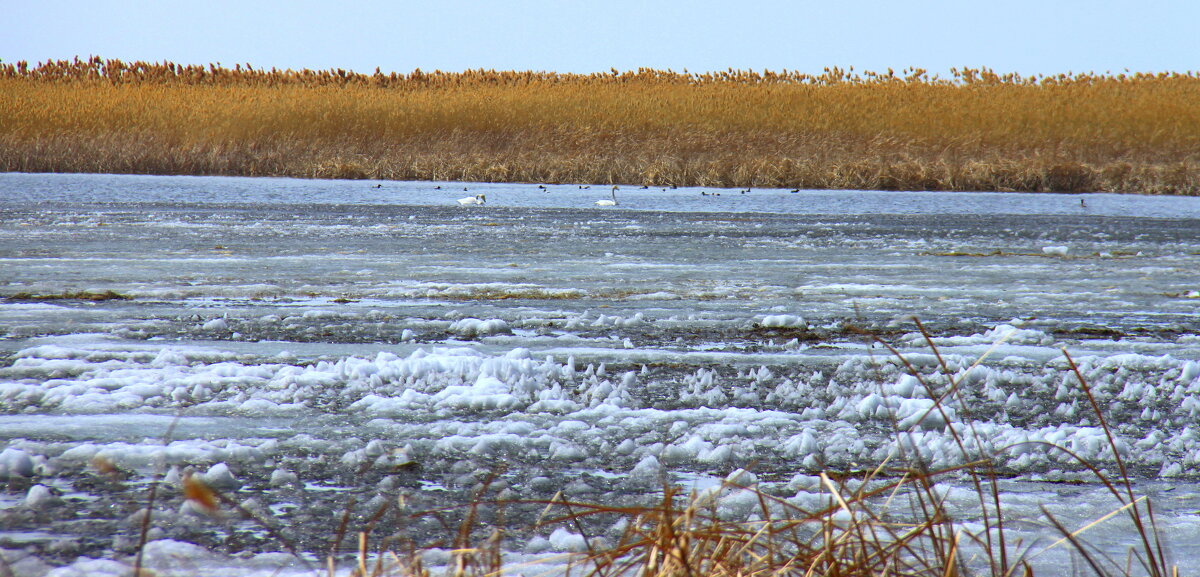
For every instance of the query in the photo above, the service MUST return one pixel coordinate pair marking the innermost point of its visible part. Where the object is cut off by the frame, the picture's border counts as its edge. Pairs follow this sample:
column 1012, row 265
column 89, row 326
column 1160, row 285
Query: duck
column 472, row 200
column 607, row 202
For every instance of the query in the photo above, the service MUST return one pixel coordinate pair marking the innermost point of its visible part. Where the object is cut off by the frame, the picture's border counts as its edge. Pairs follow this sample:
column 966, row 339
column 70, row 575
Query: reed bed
column 977, row 130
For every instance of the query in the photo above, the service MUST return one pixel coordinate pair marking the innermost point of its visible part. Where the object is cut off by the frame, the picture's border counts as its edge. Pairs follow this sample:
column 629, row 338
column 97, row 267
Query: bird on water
column 607, row 202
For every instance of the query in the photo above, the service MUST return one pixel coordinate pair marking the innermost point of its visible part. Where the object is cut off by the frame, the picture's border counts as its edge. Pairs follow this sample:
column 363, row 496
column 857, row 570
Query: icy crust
column 1000, row 334
column 170, row 557
column 418, row 290
column 446, row 404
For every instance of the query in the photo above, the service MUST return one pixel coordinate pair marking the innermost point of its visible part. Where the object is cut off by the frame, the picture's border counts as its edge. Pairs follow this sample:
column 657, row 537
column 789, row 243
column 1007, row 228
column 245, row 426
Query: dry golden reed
column 975, row 131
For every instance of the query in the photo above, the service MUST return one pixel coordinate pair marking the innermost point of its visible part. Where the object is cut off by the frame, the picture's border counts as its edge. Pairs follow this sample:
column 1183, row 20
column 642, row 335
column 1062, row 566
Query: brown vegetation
column 96, row 296
column 976, row 131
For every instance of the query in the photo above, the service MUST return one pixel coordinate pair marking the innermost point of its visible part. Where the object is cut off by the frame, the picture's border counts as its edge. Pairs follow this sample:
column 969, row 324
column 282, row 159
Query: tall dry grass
column 975, row 131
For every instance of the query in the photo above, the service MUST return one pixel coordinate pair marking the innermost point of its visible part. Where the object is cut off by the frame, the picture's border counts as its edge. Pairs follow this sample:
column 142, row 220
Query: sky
column 1024, row 36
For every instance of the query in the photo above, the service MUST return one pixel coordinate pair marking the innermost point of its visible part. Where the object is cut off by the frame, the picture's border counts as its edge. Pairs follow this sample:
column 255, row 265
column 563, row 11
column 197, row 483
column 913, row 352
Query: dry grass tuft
column 107, row 295
column 976, row 131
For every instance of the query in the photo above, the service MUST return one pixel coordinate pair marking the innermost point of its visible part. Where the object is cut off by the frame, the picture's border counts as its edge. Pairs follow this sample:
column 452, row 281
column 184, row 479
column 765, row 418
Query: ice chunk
column 538, row 544
column 166, row 555
column 471, row 327
column 717, row 456
column 85, row 567
column 742, row 478
column 784, row 321
column 906, row 386
column 923, row 413
column 648, row 471
column 1189, row 372
column 217, row 324
column 283, row 477
column 563, row 540
column 39, row 497
column 15, row 463
column 801, row 445
column 219, row 477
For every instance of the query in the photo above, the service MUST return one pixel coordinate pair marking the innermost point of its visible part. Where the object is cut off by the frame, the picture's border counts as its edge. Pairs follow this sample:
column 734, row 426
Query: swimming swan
column 607, row 202
column 472, row 200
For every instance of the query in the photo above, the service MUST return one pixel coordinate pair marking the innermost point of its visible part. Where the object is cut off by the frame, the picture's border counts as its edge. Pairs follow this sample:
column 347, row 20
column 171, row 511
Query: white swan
column 471, row 200
column 607, row 202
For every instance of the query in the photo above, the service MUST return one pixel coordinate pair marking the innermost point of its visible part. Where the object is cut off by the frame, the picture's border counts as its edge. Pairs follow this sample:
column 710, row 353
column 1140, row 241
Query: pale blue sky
column 1025, row 36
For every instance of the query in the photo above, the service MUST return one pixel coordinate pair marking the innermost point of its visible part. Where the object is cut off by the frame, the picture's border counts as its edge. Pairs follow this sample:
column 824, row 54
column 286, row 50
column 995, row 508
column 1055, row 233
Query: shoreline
column 1181, row 179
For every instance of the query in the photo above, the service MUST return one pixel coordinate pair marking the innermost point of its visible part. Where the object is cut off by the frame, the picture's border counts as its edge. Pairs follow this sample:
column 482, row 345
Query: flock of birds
column 481, row 199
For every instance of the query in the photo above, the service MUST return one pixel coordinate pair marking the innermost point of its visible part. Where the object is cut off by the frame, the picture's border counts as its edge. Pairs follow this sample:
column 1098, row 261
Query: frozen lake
column 323, row 340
